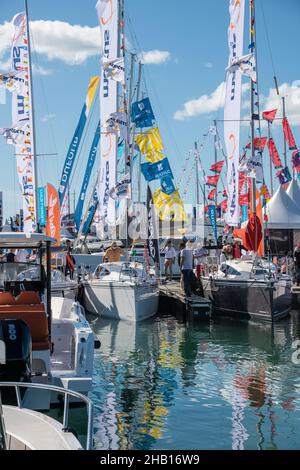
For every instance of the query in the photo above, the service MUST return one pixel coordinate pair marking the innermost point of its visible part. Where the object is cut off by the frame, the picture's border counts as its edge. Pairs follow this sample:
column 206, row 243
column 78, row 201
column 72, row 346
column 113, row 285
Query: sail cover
column 232, row 110
column 108, row 14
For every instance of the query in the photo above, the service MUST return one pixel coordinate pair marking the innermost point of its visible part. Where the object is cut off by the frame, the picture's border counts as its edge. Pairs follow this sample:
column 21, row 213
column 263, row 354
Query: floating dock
column 173, row 300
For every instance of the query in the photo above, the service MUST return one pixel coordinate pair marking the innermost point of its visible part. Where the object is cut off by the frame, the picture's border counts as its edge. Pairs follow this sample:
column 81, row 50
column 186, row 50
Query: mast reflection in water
column 161, row 385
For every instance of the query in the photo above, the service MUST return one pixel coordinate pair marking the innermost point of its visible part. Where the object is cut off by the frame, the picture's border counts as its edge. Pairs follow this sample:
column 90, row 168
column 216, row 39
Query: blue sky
column 191, row 38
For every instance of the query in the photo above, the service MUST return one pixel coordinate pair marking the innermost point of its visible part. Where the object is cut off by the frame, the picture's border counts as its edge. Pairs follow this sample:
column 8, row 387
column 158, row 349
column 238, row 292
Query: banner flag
column 169, row 207
column 114, row 69
column 117, row 124
column 42, row 207
column 21, row 115
column 260, row 143
column 217, row 167
column 288, row 135
column 122, row 188
column 53, row 214
column 108, row 15
column 274, row 155
column 167, row 185
column 142, row 114
column 150, row 144
column 14, row 82
column 155, row 171
column 213, row 219
column 284, row 175
column 74, row 146
column 212, row 180
column 87, row 177
column 212, row 195
column 152, row 240
column 246, row 65
column 232, row 110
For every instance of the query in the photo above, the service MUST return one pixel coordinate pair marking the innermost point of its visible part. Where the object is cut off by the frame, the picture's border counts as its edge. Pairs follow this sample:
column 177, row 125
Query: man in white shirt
column 186, row 265
column 170, row 255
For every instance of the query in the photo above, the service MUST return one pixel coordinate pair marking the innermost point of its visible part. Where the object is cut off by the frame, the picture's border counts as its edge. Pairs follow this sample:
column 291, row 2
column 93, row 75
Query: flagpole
column 216, row 157
column 33, row 139
column 284, row 141
column 271, row 169
column 252, row 39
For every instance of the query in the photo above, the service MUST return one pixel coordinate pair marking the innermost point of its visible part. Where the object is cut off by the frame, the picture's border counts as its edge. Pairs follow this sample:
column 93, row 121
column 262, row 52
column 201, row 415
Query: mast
column 197, row 176
column 284, row 141
column 270, row 160
column 253, row 49
column 216, row 156
column 134, row 130
column 32, row 120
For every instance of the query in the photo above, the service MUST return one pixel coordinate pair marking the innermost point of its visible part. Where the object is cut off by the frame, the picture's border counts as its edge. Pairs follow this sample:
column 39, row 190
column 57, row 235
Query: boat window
column 259, row 272
column 19, row 272
column 2, row 430
column 229, row 270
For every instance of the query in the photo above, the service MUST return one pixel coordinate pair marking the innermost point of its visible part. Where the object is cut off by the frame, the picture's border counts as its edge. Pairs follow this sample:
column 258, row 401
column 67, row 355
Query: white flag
column 114, row 69
column 14, row 81
column 117, row 124
column 232, row 109
column 246, row 65
column 17, row 135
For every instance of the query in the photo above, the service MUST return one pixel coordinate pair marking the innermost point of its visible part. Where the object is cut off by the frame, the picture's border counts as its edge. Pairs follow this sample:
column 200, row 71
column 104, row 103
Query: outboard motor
column 16, row 348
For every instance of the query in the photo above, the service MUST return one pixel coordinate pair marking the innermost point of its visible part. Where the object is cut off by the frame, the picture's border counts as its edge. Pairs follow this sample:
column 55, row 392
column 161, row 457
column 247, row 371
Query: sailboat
column 121, row 290
column 247, row 288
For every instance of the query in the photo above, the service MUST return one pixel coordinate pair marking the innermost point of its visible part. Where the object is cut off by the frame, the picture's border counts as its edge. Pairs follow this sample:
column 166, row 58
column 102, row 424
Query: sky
column 184, row 47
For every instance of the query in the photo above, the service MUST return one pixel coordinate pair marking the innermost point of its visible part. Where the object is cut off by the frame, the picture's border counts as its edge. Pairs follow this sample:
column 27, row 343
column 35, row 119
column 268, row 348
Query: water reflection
column 210, row 386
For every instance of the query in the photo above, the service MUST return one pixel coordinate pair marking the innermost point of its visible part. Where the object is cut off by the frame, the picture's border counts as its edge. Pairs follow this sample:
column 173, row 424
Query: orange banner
column 53, row 214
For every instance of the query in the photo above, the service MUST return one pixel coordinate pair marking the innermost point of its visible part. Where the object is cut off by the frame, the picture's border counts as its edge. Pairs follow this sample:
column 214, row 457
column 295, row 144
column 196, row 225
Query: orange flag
column 259, row 213
column 53, row 214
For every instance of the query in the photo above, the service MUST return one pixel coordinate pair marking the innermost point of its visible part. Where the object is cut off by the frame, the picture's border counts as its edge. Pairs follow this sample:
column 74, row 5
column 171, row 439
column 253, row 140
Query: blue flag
column 87, row 176
column 142, row 114
column 156, row 171
column 167, row 185
column 213, row 219
column 42, row 206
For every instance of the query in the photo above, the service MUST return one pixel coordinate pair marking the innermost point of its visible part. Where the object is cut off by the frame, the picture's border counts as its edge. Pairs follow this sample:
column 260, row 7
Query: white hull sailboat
column 121, row 291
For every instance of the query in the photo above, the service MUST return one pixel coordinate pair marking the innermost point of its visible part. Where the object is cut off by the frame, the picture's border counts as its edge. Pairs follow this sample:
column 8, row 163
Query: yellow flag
column 169, row 206
column 151, row 146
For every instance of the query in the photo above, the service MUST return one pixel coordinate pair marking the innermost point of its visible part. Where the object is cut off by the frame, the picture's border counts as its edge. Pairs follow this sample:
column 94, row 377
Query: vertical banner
column 232, row 110
column 213, row 220
column 53, row 214
column 152, row 240
column 22, row 116
column 42, row 206
column 87, row 176
column 74, row 146
column 108, row 14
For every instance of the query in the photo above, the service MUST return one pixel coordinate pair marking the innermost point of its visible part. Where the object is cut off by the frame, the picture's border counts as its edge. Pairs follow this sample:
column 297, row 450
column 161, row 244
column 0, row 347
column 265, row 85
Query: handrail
column 67, row 394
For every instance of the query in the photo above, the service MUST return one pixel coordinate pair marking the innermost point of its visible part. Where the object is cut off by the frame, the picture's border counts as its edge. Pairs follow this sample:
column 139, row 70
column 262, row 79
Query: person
column 200, row 254
column 182, row 245
column 297, row 263
column 170, row 255
column 10, row 256
column 226, row 254
column 70, row 260
column 21, row 256
column 114, row 253
column 186, row 266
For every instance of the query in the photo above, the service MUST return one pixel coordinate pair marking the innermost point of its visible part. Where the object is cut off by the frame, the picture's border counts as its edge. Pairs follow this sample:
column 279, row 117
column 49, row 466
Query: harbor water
column 211, row 385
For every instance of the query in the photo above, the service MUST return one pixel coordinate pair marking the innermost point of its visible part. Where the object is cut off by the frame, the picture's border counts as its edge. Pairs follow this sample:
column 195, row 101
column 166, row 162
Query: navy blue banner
column 167, row 185
column 155, row 171
column 213, row 219
column 87, row 177
column 142, row 114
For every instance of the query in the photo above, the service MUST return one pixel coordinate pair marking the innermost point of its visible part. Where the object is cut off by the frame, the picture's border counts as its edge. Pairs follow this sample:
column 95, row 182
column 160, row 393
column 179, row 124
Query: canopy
column 23, row 240
column 282, row 211
column 293, row 192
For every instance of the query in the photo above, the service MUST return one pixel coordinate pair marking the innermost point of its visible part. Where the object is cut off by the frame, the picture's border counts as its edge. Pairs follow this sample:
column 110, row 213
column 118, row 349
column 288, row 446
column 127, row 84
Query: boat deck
column 172, row 299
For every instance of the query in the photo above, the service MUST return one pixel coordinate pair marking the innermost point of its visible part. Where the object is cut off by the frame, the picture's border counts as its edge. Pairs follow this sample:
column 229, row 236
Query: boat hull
column 121, row 301
column 258, row 300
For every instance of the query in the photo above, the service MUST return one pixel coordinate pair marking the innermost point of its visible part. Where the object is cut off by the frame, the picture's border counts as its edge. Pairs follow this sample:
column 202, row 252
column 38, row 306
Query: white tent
column 293, row 192
column 282, row 211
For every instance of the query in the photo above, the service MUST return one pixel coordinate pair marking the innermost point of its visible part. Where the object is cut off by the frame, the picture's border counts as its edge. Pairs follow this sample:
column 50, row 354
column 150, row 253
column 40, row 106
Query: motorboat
column 248, row 289
column 59, row 338
column 121, row 290
column 22, row 428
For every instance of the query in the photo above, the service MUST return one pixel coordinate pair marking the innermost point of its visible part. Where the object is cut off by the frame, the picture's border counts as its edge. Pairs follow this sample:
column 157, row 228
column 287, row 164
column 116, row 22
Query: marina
column 149, row 295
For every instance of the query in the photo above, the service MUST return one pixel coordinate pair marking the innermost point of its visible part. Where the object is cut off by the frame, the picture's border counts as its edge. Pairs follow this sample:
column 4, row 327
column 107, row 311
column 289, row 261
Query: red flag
column 212, row 195
column 217, row 167
column 274, row 155
column 53, row 214
column 224, row 205
column 259, row 143
column 248, row 146
column 288, row 135
column 212, row 180
column 269, row 115
column 243, row 199
column 251, row 235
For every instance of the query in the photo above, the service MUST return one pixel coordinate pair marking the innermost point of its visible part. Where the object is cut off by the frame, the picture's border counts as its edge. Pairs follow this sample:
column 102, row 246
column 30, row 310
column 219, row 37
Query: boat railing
column 67, row 395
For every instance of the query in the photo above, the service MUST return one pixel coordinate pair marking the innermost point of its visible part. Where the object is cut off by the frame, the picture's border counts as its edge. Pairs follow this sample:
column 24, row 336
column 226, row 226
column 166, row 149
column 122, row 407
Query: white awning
column 282, row 211
column 293, row 191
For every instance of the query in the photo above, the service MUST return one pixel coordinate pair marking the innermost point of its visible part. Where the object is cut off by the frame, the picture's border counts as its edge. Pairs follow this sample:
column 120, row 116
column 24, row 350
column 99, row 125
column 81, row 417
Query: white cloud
column 208, row 65
column 202, row 105
column 48, row 117
column 291, row 92
column 72, row 44
column 39, row 70
column 155, row 57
